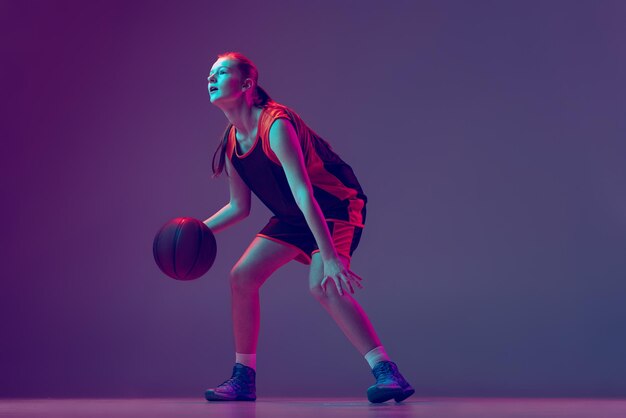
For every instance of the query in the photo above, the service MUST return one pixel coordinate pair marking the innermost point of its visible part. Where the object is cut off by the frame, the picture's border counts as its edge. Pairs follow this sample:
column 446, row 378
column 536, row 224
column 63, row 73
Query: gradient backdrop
column 488, row 136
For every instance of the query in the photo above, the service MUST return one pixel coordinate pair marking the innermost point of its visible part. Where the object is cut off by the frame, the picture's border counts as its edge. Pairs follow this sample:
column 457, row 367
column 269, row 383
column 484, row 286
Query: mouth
column 212, row 89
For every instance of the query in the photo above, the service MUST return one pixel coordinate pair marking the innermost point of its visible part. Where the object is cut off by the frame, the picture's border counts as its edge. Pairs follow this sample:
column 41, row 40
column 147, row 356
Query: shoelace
column 234, row 382
column 237, row 381
column 383, row 369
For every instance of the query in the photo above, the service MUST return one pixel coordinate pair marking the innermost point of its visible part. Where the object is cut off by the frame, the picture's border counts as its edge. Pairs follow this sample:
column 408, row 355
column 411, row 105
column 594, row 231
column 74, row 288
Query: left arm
column 285, row 144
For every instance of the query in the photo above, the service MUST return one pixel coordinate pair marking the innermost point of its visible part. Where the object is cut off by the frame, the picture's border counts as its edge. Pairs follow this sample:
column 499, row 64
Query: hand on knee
column 330, row 293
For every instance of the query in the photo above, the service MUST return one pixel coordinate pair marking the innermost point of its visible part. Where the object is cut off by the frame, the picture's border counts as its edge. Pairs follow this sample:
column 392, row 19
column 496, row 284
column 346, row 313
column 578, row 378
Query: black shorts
column 345, row 236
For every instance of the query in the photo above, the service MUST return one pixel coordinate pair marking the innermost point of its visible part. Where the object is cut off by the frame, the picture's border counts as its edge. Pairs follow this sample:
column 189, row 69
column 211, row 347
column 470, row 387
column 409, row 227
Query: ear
column 248, row 83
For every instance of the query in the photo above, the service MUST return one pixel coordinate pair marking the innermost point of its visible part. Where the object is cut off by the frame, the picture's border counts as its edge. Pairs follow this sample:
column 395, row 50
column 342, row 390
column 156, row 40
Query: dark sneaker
column 389, row 384
column 240, row 387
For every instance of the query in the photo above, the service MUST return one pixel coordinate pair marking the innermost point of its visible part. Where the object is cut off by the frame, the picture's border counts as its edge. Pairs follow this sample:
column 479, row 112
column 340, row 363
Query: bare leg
column 345, row 310
column 259, row 261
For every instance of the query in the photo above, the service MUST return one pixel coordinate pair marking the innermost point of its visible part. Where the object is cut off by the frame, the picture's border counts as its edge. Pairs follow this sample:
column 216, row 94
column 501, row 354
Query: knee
column 242, row 279
column 317, row 292
column 330, row 294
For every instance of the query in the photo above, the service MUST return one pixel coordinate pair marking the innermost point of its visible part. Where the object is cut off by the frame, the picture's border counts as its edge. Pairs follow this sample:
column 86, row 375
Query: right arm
column 239, row 206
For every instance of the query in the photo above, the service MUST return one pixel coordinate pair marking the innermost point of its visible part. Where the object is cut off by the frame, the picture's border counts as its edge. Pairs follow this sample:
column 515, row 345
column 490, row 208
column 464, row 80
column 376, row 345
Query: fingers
column 355, row 275
column 348, row 278
column 358, row 281
column 337, row 284
column 358, row 284
column 323, row 284
column 351, row 289
column 353, row 279
column 339, row 287
column 349, row 281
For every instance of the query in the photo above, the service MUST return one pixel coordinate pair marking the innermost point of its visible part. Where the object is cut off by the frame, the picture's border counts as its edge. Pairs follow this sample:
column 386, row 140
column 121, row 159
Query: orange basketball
column 184, row 248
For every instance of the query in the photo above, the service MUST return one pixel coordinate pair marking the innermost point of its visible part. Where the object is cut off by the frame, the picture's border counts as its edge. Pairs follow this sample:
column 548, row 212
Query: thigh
column 262, row 258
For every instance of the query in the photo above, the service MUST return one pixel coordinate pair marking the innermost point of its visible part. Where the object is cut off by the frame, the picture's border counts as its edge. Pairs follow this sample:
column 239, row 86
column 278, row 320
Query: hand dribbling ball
column 184, row 248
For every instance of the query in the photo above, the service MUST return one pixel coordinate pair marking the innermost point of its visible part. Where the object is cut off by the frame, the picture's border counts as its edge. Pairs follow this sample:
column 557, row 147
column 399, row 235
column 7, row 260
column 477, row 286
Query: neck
column 245, row 118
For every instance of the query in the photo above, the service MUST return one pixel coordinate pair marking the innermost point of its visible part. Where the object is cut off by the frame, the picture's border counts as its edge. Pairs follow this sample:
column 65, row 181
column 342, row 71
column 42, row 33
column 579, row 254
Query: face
column 226, row 77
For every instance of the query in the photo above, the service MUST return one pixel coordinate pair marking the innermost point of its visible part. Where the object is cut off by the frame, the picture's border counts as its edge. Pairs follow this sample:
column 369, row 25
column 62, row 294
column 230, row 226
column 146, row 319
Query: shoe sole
column 213, row 397
column 378, row 395
column 407, row 392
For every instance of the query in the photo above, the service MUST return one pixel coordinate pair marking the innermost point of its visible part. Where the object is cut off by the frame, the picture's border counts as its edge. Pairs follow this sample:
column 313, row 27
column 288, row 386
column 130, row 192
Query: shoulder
column 282, row 125
column 283, row 136
column 285, row 146
column 278, row 131
column 274, row 114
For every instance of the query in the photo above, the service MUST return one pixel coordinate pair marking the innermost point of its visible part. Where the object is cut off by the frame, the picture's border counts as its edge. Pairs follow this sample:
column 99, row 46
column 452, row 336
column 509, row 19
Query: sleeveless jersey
column 334, row 184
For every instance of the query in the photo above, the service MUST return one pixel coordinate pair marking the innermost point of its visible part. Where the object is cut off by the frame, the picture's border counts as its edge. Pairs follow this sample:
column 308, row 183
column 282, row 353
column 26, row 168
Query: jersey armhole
column 265, row 139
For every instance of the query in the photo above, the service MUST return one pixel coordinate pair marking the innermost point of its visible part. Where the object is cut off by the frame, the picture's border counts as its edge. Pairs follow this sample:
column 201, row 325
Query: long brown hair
column 260, row 98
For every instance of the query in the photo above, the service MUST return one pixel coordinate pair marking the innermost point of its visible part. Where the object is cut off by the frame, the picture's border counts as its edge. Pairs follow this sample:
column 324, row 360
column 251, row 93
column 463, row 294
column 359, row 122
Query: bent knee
column 317, row 292
column 243, row 279
column 331, row 291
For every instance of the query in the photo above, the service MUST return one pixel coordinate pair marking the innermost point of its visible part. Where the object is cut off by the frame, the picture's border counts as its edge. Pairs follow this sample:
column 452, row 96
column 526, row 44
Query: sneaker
column 240, row 387
column 389, row 384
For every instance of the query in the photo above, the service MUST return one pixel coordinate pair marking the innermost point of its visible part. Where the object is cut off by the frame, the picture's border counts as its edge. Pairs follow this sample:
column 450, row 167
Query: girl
column 319, row 213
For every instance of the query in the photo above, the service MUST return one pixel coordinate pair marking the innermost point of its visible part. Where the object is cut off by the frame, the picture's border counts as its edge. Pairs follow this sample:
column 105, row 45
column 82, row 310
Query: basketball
column 184, row 248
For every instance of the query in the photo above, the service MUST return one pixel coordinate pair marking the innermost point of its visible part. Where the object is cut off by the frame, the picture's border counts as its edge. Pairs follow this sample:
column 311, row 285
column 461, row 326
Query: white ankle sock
column 375, row 355
column 246, row 359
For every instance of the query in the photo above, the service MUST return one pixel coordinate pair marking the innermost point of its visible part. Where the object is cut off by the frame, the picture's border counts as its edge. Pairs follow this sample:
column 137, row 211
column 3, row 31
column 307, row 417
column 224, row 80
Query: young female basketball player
column 319, row 213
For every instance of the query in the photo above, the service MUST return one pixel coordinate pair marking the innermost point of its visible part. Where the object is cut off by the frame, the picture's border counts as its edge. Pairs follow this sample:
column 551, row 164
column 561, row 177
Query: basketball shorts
column 346, row 237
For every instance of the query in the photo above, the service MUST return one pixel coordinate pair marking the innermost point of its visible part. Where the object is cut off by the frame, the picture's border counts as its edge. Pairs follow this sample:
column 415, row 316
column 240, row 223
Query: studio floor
column 314, row 408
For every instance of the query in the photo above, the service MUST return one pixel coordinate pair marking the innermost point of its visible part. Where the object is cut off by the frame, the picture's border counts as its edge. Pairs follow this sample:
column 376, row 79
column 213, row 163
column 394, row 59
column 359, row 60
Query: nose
column 211, row 78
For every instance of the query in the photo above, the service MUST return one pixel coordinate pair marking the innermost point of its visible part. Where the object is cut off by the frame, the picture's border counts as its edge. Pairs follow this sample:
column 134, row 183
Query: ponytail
column 261, row 98
column 221, row 150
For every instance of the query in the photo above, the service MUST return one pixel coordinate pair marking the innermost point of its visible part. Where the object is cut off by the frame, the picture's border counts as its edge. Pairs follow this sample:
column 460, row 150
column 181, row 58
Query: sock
column 375, row 355
column 246, row 359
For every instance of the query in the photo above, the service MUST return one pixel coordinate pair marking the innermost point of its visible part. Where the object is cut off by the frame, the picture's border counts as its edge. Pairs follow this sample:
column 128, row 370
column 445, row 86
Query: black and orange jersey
column 335, row 186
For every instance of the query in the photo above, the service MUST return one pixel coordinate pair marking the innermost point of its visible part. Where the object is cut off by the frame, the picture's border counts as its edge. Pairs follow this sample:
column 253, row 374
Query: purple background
column 488, row 136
